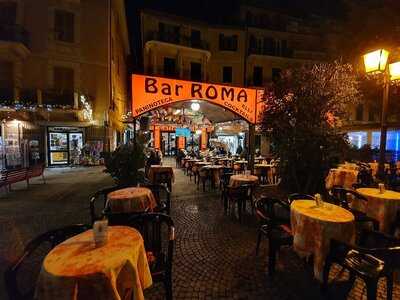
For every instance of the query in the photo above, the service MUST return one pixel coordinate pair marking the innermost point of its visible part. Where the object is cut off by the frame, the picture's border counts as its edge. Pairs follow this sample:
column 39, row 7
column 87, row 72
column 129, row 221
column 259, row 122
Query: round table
column 341, row 177
column 382, row 207
column 132, row 199
column 156, row 169
column 216, row 170
column 313, row 227
column 238, row 180
column 75, row 269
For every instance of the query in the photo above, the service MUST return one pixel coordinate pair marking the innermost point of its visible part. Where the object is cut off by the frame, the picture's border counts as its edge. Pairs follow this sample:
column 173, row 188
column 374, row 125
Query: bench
column 13, row 176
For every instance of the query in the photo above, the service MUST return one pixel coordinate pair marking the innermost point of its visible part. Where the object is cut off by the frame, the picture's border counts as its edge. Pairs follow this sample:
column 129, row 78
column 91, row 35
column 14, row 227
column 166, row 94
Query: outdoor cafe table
column 238, row 180
column 374, row 167
column 132, row 199
column 76, row 269
column 198, row 164
column 154, row 169
column 341, row 177
column 313, row 227
column 216, row 170
column 381, row 207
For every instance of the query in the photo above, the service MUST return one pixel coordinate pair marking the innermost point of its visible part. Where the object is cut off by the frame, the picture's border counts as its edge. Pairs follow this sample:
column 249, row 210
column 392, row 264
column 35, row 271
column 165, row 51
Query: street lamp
column 376, row 63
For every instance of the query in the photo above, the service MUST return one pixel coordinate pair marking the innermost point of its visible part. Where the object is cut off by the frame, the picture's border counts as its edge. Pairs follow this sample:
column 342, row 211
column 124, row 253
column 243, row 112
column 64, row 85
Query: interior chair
column 237, row 196
column 162, row 196
column 158, row 233
column 163, row 177
column 203, row 176
column 274, row 218
column 100, row 195
column 21, row 276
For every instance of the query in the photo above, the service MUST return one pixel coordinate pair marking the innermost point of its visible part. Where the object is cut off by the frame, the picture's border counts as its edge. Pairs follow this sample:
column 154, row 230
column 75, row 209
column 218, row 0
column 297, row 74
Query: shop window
column 227, row 74
column 359, row 112
column 228, row 43
column 169, row 67
column 64, row 26
column 195, row 71
column 258, row 76
column 358, row 138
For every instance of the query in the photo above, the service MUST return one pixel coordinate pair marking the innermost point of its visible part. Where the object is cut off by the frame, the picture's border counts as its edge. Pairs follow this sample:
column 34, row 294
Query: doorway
column 64, row 145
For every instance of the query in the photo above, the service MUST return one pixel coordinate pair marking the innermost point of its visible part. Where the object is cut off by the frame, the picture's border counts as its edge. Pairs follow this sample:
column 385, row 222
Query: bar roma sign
column 149, row 92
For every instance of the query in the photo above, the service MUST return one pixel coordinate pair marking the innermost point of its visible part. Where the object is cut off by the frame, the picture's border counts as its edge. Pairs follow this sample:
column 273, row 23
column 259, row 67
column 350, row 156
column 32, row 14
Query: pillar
column 157, row 137
column 252, row 142
column 204, row 139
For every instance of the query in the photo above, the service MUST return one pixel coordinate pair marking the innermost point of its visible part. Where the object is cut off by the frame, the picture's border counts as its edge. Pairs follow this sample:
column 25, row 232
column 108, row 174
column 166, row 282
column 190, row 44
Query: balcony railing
column 58, row 98
column 271, row 51
column 177, row 39
column 14, row 33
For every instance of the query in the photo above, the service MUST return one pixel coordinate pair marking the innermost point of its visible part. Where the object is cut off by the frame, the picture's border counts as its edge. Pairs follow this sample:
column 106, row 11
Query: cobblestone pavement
column 215, row 257
column 214, row 254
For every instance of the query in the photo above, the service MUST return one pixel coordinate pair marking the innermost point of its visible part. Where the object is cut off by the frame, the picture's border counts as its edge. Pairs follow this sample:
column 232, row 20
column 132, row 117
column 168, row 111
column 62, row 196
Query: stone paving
column 214, row 254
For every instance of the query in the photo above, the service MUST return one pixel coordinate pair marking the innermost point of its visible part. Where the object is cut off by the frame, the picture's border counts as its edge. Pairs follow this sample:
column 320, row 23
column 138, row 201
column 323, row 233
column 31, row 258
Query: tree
column 303, row 114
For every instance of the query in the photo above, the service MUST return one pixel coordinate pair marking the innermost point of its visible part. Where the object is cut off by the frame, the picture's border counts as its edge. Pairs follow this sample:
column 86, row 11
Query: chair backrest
column 339, row 196
column 21, row 276
column 96, row 196
column 161, row 194
column 158, row 233
column 272, row 211
column 162, row 177
column 297, row 196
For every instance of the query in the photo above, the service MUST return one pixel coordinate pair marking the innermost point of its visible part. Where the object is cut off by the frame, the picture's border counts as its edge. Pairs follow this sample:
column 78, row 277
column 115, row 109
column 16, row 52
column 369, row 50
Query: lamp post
column 376, row 63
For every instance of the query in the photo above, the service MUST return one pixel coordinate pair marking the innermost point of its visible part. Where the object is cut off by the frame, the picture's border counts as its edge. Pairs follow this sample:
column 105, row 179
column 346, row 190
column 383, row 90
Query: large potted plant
column 125, row 164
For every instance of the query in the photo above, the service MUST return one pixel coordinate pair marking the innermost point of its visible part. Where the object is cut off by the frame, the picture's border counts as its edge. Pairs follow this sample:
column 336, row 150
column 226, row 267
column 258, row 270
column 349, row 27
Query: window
column 195, row 38
column 195, row 71
column 258, row 76
column 359, row 112
column 358, row 138
column 371, row 114
column 228, row 43
column 63, row 79
column 227, row 74
column 8, row 13
column 64, row 26
column 169, row 67
column 276, row 74
column 269, row 46
column 169, row 33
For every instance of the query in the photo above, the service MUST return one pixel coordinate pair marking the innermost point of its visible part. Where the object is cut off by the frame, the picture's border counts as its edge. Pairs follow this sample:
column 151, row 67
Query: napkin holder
column 100, row 233
column 318, row 200
column 381, row 188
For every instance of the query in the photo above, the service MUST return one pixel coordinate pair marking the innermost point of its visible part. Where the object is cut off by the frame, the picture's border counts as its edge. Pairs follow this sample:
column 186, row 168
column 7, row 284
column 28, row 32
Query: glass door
column 58, row 148
column 75, row 147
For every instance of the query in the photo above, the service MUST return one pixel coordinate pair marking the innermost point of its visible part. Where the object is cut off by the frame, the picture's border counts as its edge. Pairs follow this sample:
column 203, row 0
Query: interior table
column 132, row 199
column 157, row 169
column 76, row 269
column 216, row 172
column 341, row 177
column 314, row 226
column 382, row 207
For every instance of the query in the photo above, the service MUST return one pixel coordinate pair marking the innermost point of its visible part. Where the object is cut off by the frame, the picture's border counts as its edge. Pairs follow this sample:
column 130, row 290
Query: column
column 157, row 137
column 204, row 139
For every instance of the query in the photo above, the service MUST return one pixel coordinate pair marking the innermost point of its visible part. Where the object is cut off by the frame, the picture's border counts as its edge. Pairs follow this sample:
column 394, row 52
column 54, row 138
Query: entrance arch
column 151, row 92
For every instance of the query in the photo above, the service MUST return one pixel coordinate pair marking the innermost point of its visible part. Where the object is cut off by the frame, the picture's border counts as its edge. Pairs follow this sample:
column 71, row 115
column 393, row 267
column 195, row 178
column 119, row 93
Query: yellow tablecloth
column 341, row 177
column 313, row 227
column 133, row 199
column 382, row 207
column 76, row 270
column 238, row 180
column 154, row 169
column 374, row 167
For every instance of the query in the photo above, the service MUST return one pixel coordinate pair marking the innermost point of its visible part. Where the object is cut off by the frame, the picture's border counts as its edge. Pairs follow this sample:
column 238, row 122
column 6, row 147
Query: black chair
column 237, row 196
column 163, row 203
column 96, row 197
column 274, row 216
column 158, row 233
column 163, row 177
column 297, row 196
column 21, row 276
column 377, row 257
column 203, row 175
column 339, row 197
column 224, row 183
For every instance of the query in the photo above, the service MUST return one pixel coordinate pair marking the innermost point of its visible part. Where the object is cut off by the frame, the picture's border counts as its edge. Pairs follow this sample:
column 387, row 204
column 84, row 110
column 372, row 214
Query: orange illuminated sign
column 157, row 137
column 149, row 92
column 181, row 142
column 204, row 139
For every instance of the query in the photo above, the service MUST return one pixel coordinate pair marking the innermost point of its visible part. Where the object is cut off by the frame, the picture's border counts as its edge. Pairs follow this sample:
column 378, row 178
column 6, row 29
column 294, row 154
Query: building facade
column 252, row 52
column 63, row 80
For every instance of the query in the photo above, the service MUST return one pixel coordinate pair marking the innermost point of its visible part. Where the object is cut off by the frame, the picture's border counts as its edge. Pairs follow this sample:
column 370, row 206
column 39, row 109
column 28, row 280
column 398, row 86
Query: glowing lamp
column 394, row 70
column 195, row 106
column 375, row 62
column 198, row 131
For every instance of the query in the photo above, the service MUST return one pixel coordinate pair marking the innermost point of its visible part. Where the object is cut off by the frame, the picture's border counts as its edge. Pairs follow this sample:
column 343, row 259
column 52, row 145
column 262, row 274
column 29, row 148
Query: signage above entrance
column 149, row 92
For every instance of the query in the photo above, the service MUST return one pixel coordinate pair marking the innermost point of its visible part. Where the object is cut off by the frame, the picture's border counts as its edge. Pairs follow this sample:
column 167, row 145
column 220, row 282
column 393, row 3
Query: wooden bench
column 13, row 176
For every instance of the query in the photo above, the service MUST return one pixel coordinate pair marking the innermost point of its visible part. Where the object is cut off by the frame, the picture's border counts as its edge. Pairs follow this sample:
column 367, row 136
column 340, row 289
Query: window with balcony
column 168, row 33
column 64, row 26
column 195, row 38
column 63, row 87
column 258, row 76
column 195, row 71
column 169, row 67
column 227, row 74
column 6, row 82
column 228, row 42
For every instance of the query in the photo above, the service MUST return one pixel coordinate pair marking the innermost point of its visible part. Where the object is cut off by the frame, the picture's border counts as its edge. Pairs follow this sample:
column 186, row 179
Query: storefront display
column 65, row 145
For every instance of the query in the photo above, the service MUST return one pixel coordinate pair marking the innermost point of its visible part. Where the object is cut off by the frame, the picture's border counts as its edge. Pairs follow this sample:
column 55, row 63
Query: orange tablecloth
column 160, row 169
column 238, row 180
column 313, row 227
column 341, row 177
column 76, row 270
column 382, row 207
column 133, row 199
